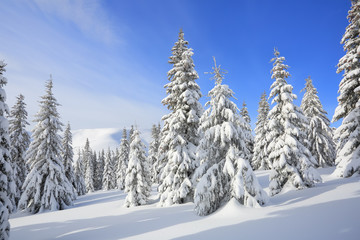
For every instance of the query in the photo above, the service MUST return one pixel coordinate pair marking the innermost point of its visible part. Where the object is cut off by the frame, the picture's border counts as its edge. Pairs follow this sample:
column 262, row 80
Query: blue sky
column 109, row 58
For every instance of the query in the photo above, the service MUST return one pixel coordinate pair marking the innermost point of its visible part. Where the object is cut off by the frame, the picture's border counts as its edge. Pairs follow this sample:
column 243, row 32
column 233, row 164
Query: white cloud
column 89, row 16
column 85, row 109
column 95, row 90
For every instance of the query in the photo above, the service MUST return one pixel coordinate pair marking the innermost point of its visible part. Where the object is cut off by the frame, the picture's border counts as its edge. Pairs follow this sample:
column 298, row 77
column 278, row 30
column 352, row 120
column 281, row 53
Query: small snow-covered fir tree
column 182, row 136
column 170, row 101
column 131, row 132
column 109, row 177
column 89, row 167
column 19, row 143
column 348, row 134
column 319, row 133
column 99, row 170
column 153, row 150
column 96, row 178
column 260, row 158
column 292, row 161
column 224, row 171
column 68, row 156
column 137, row 181
column 7, row 184
column 249, row 138
column 122, row 161
column 80, row 186
column 46, row 187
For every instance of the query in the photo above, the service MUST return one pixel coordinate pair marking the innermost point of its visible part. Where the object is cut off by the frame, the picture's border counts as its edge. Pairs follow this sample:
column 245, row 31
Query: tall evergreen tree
column 46, row 187
column 249, row 138
column 291, row 159
column 319, row 133
column 7, row 184
column 19, row 143
column 123, row 161
column 80, row 186
column 153, row 150
column 68, row 156
column 89, row 167
column 260, row 158
column 348, row 134
column 170, row 101
column 137, row 181
column 109, row 177
column 224, row 171
column 182, row 136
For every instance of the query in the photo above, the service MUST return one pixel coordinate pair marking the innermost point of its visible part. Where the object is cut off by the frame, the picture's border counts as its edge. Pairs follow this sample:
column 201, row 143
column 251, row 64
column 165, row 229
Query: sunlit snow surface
column 330, row 210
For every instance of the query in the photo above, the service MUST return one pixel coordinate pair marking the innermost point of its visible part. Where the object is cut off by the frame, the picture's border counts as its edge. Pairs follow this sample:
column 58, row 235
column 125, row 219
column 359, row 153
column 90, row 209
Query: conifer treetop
column 219, row 74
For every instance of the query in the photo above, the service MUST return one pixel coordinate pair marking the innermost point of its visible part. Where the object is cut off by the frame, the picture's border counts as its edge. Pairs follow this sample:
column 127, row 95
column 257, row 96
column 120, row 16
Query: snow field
column 330, row 210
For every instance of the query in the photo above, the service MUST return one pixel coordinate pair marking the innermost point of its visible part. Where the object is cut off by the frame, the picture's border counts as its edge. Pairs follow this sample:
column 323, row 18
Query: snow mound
column 329, row 211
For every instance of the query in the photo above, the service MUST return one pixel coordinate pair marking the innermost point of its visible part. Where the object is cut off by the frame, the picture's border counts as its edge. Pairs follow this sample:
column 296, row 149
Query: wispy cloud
column 96, row 89
column 89, row 16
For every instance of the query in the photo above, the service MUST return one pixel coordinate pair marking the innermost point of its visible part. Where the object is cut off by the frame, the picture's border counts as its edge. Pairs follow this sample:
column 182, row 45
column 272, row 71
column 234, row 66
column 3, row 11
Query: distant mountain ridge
column 103, row 138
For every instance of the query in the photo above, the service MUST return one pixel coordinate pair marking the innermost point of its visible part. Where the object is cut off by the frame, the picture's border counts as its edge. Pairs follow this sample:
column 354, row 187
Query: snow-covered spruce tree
column 224, row 170
column 68, row 157
column 249, row 138
column 260, row 158
column 182, row 136
column 291, row 160
column 122, row 161
column 96, row 181
column 89, row 167
column 131, row 132
column 137, row 181
column 19, row 143
column 109, row 177
column 7, row 184
column 319, row 133
column 80, row 186
column 99, row 170
column 170, row 101
column 46, row 187
column 348, row 148
column 153, row 150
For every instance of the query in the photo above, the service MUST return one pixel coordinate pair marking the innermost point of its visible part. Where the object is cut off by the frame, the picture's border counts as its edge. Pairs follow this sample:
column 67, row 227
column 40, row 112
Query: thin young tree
column 89, row 167
column 319, row 133
column 109, row 177
column 7, row 184
column 224, row 170
column 46, row 187
column 68, row 156
column 137, row 181
column 348, row 148
column 260, row 158
column 123, row 161
column 99, row 170
column 249, row 138
column 19, row 143
column 292, row 161
column 182, row 135
column 79, row 176
column 153, row 150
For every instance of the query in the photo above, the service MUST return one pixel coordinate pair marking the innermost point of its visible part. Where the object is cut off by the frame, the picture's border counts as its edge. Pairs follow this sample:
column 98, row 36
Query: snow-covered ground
column 330, row 210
